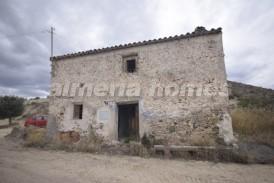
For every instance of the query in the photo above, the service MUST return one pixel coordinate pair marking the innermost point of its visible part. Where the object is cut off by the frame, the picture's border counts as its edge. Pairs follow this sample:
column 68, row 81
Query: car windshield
column 40, row 118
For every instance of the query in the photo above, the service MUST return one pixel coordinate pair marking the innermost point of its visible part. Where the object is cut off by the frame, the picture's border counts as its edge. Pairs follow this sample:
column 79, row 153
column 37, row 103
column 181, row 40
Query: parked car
column 39, row 121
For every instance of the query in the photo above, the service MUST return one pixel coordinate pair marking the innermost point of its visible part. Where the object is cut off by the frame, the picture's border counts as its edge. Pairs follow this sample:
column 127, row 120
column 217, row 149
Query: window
column 78, row 111
column 131, row 65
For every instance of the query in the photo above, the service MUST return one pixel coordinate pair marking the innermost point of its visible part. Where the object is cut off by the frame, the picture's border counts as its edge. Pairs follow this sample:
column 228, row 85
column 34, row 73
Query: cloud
column 247, row 37
column 25, row 43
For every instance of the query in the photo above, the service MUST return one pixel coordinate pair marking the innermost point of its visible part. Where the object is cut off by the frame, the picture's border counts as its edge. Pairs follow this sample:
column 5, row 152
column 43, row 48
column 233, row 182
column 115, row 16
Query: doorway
column 128, row 121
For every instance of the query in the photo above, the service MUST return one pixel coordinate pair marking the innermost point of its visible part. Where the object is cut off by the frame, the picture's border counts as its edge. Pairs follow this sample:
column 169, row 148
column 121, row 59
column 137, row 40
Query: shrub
column 137, row 149
column 35, row 137
column 146, row 141
column 92, row 143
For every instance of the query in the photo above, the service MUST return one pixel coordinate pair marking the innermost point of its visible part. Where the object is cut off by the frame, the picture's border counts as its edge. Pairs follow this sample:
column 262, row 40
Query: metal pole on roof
column 51, row 36
column 51, row 31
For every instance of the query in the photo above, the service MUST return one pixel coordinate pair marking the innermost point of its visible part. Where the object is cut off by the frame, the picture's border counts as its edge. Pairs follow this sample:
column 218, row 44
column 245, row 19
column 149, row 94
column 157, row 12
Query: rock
column 257, row 153
column 225, row 129
column 17, row 133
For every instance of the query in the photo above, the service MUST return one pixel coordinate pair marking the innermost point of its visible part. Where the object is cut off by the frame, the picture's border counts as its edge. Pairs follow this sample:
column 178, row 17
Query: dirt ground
column 29, row 165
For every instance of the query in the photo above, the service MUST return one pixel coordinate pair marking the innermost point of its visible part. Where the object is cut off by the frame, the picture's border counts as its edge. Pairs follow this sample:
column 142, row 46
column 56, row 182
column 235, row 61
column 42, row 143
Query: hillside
column 252, row 112
column 249, row 96
column 35, row 107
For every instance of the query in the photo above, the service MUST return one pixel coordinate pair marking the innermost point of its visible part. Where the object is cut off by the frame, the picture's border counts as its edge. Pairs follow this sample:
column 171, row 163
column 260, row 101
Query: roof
column 199, row 31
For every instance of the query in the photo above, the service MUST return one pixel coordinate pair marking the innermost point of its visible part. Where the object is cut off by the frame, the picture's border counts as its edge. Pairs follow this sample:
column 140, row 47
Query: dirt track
column 21, row 165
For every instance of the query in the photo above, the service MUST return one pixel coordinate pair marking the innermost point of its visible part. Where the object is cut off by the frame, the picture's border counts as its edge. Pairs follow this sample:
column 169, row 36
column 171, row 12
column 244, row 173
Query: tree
column 11, row 106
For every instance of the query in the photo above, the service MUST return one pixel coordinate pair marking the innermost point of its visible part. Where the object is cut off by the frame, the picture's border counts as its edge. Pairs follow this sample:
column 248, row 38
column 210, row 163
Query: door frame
column 117, row 115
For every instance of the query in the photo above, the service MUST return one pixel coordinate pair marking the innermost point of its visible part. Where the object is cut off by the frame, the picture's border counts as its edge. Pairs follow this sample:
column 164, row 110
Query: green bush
column 11, row 106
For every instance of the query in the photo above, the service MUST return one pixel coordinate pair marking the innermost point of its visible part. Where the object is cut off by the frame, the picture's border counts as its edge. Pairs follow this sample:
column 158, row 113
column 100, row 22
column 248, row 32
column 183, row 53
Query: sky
column 248, row 34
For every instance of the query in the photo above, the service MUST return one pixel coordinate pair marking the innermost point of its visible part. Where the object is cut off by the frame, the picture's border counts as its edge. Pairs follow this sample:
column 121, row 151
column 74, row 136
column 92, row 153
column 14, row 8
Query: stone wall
column 175, row 119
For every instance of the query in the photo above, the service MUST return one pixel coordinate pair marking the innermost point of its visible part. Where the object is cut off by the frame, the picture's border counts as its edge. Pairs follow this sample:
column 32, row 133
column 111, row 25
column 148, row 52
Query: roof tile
column 199, row 31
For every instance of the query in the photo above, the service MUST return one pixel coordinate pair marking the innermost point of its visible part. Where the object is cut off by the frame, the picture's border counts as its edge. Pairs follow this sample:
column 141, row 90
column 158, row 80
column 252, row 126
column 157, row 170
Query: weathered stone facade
column 191, row 60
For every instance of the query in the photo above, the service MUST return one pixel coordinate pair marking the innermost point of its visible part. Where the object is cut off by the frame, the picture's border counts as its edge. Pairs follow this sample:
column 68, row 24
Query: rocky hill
column 249, row 96
column 35, row 107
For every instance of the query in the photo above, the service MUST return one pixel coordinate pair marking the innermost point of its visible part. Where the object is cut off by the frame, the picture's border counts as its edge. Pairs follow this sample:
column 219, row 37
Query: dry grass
column 91, row 143
column 255, row 124
column 138, row 149
column 35, row 137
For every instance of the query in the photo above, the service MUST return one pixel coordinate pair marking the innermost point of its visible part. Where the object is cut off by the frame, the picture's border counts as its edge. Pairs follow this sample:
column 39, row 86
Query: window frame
column 131, row 65
column 78, row 115
column 127, row 58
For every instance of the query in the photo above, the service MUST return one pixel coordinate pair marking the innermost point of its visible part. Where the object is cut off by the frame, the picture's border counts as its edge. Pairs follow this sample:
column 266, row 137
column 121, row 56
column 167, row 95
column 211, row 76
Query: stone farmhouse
column 172, row 90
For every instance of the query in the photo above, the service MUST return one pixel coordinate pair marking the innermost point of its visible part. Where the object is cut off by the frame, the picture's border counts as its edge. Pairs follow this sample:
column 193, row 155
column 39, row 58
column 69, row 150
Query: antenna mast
column 52, row 29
